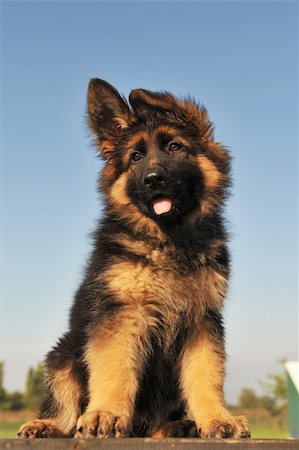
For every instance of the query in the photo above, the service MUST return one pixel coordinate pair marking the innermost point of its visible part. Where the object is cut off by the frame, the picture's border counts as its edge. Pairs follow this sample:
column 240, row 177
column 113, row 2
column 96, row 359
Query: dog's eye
column 136, row 156
column 174, row 146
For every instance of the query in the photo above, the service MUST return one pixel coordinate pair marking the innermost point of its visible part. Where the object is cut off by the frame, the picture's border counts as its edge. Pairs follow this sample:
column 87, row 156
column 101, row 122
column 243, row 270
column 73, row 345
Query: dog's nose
column 154, row 178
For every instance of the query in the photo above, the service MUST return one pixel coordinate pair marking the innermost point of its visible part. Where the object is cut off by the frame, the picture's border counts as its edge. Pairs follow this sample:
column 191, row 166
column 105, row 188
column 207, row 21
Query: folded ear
column 185, row 111
column 143, row 101
column 108, row 114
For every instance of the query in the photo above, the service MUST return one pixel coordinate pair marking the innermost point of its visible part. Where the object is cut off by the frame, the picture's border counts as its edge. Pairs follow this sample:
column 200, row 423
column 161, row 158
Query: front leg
column 114, row 357
column 202, row 379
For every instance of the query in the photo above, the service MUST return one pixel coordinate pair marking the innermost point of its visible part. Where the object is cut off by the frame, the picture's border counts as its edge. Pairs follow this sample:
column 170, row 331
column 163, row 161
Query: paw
column 224, row 427
column 102, row 424
column 178, row 428
column 40, row 429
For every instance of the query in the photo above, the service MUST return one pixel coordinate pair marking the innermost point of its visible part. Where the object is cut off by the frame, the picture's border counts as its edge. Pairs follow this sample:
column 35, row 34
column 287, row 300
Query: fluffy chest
column 162, row 287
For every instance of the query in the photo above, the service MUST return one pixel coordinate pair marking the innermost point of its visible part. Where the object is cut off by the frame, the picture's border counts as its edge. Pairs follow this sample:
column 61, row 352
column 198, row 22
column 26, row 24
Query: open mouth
column 162, row 205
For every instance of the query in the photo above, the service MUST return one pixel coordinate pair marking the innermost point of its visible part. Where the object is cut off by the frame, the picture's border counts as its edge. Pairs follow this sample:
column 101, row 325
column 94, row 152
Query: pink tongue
column 162, row 206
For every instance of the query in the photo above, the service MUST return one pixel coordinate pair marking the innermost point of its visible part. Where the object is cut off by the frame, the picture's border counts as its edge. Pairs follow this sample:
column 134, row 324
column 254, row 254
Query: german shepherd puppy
column 144, row 354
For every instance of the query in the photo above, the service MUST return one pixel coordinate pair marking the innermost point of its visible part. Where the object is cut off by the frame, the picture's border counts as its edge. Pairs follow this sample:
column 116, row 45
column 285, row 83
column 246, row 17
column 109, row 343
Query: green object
column 292, row 369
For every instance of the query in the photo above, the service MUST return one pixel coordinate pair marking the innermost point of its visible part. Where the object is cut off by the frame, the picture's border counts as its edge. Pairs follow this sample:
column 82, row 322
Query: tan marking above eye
column 136, row 138
column 167, row 129
column 175, row 135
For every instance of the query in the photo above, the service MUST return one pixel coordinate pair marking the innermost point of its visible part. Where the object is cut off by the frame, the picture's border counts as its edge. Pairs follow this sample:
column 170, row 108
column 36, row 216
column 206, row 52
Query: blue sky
column 240, row 60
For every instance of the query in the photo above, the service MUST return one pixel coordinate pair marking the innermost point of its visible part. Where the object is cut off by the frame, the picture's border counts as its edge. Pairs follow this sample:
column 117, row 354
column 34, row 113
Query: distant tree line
column 275, row 397
column 30, row 398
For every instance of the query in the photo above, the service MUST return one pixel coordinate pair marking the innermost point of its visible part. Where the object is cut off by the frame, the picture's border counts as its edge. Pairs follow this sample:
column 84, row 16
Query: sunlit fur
column 144, row 353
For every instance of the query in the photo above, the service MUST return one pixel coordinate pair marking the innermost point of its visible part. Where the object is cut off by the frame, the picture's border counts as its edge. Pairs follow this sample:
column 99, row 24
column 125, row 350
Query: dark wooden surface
column 148, row 444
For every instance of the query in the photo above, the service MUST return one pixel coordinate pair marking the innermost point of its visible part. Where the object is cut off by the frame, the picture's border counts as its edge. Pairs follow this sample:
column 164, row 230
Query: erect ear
column 108, row 114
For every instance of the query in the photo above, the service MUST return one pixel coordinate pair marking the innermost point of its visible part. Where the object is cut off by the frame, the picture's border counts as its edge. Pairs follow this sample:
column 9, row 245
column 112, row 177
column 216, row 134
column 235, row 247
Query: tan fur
column 212, row 180
column 122, row 122
column 108, row 175
column 119, row 196
column 143, row 290
column 172, row 131
column 216, row 149
column 103, row 424
column 158, row 434
column 210, row 172
column 107, row 147
column 202, row 378
column 41, row 428
column 167, row 129
column 151, row 289
column 139, row 284
column 122, row 206
column 140, row 247
column 67, row 392
column 202, row 375
column 134, row 140
column 208, row 206
column 177, row 428
column 132, row 143
column 114, row 357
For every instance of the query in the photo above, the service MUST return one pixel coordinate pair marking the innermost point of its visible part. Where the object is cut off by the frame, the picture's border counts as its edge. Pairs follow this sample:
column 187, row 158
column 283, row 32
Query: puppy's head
column 161, row 162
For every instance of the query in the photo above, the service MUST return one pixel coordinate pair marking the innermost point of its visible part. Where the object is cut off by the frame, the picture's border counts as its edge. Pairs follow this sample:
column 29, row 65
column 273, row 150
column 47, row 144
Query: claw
column 102, row 424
